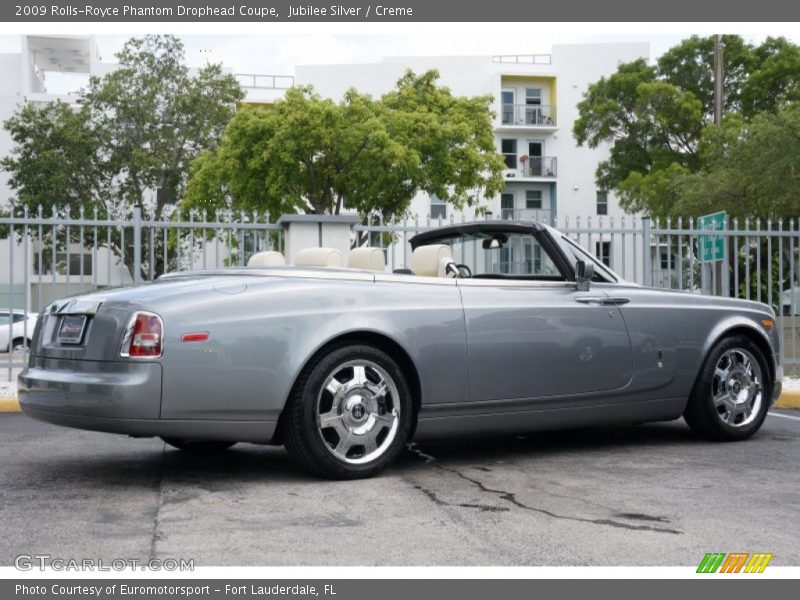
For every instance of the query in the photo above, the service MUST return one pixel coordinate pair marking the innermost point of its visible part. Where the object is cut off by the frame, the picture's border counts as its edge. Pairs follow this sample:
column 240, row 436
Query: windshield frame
column 608, row 275
column 483, row 229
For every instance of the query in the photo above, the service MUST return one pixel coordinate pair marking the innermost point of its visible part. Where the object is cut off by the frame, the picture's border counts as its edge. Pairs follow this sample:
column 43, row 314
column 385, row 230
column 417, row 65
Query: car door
column 542, row 339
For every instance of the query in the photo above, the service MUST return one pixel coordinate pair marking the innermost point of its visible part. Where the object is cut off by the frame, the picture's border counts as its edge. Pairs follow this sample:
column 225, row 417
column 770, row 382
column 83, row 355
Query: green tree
column 57, row 156
column 132, row 132
column 161, row 117
column 776, row 81
column 752, row 168
column 657, row 119
column 312, row 154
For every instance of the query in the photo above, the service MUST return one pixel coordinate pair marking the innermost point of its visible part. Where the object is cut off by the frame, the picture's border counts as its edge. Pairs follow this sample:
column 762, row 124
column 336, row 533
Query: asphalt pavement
column 639, row 495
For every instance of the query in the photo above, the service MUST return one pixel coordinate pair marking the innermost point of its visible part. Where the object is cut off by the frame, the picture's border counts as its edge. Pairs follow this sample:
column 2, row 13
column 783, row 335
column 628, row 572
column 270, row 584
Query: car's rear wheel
column 350, row 413
column 732, row 394
column 198, row 446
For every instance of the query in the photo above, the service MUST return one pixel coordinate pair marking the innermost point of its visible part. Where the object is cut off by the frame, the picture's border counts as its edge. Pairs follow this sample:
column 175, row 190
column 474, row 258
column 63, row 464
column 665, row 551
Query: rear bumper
column 118, row 397
column 117, row 390
column 260, row 432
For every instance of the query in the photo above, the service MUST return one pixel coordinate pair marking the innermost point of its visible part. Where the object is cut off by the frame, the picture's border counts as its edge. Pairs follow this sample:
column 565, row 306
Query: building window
column 533, row 96
column 667, row 260
column 533, row 199
column 509, row 151
column 438, row 208
column 507, row 100
column 533, row 106
column 507, row 205
column 164, row 196
column 602, row 203
column 75, row 259
column 602, row 250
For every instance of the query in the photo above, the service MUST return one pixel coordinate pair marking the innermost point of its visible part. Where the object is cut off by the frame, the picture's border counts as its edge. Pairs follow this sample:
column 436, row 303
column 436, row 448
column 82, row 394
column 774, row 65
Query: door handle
column 604, row 300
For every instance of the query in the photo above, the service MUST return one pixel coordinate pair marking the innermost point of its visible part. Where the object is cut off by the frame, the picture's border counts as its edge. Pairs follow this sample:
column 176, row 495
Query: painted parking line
column 782, row 416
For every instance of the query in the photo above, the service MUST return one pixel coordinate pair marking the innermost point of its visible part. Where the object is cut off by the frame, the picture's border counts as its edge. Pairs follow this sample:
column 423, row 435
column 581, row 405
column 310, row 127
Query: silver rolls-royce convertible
column 496, row 327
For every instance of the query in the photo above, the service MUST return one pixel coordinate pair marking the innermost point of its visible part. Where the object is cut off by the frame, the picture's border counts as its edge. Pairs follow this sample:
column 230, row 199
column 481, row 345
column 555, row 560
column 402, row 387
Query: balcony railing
column 257, row 81
column 542, row 215
column 523, row 59
column 534, row 166
column 530, row 115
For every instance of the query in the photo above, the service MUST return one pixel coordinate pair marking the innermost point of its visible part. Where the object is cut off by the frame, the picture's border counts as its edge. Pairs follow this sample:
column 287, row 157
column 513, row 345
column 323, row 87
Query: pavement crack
column 438, row 501
column 156, row 534
column 512, row 498
column 642, row 517
column 412, row 447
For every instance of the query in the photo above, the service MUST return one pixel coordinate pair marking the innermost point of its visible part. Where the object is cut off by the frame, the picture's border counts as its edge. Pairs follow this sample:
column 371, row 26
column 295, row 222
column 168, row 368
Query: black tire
column 198, row 446
column 17, row 344
column 707, row 418
column 303, row 436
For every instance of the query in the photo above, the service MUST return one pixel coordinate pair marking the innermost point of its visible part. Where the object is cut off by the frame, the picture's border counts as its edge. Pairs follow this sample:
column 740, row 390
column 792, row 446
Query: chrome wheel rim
column 358, row 411
column 737, row 388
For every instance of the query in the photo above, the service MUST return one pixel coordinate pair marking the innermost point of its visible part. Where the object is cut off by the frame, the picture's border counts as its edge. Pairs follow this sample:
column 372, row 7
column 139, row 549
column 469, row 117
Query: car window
column 18, row 318
column 504, row 255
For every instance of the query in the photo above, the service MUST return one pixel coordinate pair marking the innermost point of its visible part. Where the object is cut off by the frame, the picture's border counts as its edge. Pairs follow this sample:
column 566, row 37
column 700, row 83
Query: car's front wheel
column 732, row 394
column 350, row 413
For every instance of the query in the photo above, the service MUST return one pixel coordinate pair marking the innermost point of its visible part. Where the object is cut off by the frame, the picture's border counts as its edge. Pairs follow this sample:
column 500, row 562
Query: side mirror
column 583, row 275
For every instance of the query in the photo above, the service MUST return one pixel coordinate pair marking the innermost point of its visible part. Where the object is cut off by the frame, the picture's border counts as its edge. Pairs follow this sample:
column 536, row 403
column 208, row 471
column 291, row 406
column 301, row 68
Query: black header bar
column 397, row 11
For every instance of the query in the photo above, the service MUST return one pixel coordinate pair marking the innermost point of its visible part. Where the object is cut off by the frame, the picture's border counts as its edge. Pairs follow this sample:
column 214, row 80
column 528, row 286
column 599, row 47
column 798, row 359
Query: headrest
column 367, row 258
column 429, row 261
column 269, row 258
column 319, row 257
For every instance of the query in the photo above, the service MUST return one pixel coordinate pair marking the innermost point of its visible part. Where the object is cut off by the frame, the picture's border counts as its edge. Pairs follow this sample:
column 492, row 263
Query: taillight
column 144, row 336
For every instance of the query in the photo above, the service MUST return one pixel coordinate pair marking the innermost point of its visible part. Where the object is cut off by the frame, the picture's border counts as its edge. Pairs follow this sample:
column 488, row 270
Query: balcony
column 534, row 167
column 541, row 215
column 526, row 116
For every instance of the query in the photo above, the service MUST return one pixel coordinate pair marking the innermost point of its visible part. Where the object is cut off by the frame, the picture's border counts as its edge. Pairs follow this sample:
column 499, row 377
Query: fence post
column 646, row 278
column 137, row 244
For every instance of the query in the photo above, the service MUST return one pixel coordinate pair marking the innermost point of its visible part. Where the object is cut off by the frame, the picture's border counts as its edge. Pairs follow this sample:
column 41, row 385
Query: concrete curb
column 787, row 399
column 9, row 405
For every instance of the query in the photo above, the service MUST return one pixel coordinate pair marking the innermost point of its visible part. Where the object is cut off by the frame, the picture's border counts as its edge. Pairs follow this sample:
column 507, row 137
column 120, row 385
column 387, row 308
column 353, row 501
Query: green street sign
column 711, row 247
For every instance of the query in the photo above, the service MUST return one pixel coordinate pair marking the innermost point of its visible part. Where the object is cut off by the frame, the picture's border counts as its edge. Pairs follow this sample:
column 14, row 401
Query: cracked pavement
column 638, row 495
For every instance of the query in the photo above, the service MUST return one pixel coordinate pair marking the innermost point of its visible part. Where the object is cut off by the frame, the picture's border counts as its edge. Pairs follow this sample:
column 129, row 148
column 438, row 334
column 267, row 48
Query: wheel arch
column 373, row 338
column 746, row 329
column 19, row 339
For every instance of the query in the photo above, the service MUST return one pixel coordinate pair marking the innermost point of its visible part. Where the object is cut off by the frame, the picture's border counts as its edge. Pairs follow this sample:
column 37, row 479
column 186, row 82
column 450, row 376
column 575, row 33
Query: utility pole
column 719, row 49
column 721, row 276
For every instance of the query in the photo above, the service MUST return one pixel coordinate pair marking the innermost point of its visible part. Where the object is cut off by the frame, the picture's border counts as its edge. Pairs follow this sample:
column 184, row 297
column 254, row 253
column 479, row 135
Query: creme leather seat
column 319, row 257
column 367, row 258
column 431, row 261
column 269, row 258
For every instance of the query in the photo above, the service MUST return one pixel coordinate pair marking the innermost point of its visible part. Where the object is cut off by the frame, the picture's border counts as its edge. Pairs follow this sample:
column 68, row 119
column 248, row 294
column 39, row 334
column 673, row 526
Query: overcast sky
column 279, row 54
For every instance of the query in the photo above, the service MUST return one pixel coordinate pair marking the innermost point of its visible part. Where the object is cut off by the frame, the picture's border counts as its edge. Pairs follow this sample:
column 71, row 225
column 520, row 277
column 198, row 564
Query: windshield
column 503, row 254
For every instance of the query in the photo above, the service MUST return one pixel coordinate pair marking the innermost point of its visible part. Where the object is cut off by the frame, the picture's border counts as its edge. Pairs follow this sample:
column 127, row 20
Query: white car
column 22, row 325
